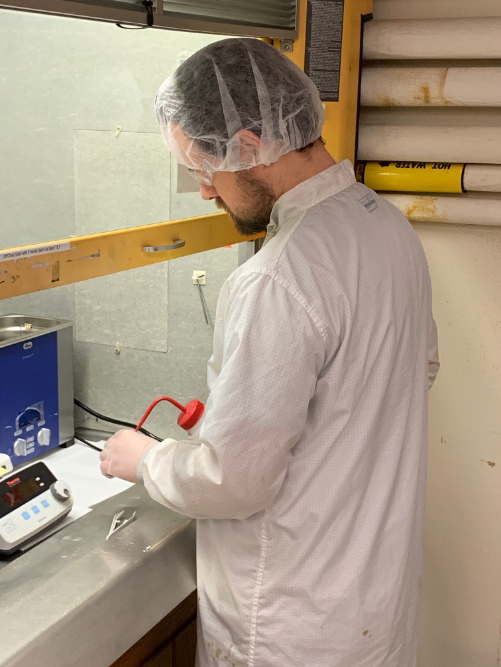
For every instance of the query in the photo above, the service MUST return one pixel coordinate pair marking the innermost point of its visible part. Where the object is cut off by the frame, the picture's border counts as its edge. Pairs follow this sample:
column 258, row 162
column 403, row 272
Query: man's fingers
column 104, row 467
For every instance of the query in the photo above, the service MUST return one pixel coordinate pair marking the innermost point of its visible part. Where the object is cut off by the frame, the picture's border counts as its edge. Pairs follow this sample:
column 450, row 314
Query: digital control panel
column 30, row 501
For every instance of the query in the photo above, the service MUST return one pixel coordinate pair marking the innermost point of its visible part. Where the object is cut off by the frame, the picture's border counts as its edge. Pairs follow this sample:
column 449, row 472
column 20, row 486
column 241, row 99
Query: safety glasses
column 201, row 176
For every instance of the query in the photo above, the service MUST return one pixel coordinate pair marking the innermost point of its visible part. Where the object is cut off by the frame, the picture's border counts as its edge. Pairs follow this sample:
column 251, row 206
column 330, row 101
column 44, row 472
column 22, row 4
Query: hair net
column 224, row 96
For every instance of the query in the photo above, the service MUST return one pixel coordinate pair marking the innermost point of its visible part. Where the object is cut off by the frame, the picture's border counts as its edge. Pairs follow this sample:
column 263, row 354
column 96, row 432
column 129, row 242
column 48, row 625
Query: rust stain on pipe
column 424, row 209
column 424, row 93
column 443, row 97
column 384, row 100
column 388, row 101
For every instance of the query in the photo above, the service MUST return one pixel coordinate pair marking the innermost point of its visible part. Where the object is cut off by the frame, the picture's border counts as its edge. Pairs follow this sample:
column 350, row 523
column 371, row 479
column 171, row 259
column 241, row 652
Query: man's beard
column 259, row 201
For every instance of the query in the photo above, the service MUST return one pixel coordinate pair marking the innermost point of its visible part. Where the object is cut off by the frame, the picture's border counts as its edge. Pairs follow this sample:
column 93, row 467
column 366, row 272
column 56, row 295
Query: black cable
column 148, row 5
column 118, row 422
column 89, row 444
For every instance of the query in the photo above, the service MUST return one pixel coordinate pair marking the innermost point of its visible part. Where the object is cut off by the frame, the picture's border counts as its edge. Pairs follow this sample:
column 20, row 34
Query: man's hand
column 121, row 454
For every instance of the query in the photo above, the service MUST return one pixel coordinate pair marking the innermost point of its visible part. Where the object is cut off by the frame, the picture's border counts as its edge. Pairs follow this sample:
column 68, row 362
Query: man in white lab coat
column 307, row 473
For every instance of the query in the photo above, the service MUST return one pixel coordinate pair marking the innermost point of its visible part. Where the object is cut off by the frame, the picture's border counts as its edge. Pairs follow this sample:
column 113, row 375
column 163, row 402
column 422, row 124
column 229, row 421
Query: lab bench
column 79, row 600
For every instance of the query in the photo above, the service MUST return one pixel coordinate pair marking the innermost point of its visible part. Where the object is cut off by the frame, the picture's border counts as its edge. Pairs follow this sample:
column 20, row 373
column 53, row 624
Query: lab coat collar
column 309, row 193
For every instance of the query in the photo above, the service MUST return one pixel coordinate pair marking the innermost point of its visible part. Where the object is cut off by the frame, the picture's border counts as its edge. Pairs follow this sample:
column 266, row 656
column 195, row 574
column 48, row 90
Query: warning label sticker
column 324, row 35
column 34, row 251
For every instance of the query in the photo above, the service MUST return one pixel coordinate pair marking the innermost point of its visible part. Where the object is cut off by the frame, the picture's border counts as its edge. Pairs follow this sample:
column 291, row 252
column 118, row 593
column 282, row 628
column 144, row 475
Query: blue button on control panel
column 44, row 503
column 35, row 509
column 25, row 516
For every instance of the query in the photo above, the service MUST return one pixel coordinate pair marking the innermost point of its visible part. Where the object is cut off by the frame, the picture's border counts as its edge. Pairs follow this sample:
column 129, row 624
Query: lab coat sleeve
column 433, row 362
column 272, row 355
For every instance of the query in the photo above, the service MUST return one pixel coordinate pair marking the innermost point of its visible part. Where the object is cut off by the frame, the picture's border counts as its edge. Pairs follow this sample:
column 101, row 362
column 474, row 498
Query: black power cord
column 89, row 444
column 148, row 5
column 118, row 422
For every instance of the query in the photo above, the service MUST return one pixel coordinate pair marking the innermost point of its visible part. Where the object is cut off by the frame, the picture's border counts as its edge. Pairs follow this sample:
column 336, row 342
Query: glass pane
column 81, row 149
column 155, row 315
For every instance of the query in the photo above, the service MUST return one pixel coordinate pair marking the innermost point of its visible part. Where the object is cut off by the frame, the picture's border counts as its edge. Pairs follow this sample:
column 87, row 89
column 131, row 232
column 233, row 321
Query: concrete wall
column 462, row 570
column 66, row 86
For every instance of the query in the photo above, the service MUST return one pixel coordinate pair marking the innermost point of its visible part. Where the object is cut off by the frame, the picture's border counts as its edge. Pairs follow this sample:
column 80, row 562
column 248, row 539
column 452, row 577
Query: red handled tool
column 190, row 414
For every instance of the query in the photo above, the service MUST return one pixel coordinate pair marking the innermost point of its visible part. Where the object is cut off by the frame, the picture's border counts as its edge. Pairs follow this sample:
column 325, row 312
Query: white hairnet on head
column 215, row 105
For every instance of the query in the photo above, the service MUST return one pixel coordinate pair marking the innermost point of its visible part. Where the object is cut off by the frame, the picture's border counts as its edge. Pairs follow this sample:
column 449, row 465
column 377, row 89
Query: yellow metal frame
column 111, row 252
column 341, row 121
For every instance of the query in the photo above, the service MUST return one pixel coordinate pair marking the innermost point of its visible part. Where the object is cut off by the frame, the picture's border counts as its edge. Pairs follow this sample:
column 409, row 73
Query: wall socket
column 199, row 277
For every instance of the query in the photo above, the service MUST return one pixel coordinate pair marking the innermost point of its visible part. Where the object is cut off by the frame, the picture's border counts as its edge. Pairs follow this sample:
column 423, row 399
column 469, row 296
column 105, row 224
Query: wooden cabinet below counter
column 171, row 643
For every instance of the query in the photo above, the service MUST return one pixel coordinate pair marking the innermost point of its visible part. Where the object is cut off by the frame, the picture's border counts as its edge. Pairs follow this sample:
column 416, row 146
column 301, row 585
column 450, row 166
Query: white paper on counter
column 78, row 465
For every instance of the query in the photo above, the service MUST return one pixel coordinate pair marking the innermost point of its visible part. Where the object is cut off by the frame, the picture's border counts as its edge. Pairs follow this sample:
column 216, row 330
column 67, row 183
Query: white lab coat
column 308, row 478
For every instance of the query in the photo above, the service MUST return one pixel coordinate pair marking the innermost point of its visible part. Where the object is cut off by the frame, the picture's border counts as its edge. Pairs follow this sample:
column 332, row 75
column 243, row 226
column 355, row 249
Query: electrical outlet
column 198, row 277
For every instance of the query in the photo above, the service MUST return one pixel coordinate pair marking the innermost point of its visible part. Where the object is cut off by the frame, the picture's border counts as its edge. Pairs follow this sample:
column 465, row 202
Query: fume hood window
column 81, row 149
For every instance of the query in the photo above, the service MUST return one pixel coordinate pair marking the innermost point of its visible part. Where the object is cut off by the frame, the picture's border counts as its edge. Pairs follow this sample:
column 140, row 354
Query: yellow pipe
column 341, row 118
column 412, row 176
column 102, row 254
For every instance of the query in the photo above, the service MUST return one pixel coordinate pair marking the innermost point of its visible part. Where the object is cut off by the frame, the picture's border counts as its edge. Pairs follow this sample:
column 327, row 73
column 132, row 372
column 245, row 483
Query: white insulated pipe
column 436, row 143
column 431, row 86
column 482, row 178
column 465, row 38
column 460, row 210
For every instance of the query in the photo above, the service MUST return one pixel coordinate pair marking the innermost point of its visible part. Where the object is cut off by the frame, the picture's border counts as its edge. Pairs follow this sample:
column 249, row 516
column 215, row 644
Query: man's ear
column 250, row 144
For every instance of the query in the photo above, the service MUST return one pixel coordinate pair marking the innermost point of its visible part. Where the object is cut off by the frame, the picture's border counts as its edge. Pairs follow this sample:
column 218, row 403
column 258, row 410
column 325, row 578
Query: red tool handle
column 190, row 414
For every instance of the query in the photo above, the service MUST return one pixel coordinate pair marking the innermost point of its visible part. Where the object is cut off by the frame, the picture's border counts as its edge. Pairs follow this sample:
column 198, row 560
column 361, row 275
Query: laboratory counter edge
column 77, row 599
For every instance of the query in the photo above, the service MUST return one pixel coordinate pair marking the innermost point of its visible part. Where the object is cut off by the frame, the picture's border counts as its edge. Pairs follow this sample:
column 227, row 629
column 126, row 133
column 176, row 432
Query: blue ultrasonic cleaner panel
column 35, row 390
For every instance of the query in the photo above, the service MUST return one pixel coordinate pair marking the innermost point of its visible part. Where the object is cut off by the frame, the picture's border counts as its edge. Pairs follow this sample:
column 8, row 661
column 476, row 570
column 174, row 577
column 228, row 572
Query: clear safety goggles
column 201, row 176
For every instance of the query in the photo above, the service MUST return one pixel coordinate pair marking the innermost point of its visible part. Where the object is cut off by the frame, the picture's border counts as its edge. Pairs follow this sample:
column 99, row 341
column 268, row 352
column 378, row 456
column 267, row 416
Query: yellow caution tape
column 412, row 176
